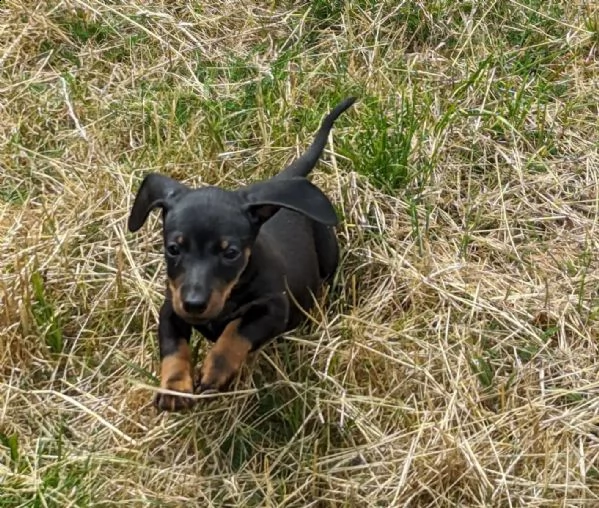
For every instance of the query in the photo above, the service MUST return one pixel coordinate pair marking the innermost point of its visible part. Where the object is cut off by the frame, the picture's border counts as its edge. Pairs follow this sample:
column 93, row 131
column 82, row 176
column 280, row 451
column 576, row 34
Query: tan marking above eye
column 224, row 244
column 180, row 240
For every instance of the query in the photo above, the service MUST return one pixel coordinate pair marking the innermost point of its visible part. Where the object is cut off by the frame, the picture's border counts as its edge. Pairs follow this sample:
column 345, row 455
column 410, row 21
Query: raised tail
column 307, row 161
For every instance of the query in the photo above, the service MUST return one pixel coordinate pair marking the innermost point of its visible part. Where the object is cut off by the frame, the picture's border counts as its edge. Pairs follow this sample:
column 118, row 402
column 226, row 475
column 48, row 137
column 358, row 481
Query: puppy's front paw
column 216, row 373
column 170, row 402
column 175, row 376
column 224, row 360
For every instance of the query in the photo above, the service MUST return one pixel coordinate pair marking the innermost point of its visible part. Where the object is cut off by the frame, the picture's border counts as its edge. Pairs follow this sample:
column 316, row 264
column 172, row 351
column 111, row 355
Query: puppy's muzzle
column 195, row 301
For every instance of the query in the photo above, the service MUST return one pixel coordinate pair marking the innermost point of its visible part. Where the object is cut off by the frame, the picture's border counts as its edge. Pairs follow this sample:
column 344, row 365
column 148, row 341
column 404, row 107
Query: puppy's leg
column 175, row 361
column 239, row 338
column 225, row 358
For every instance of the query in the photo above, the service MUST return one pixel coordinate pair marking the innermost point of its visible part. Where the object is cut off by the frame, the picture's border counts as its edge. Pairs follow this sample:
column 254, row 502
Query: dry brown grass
column 455, row 363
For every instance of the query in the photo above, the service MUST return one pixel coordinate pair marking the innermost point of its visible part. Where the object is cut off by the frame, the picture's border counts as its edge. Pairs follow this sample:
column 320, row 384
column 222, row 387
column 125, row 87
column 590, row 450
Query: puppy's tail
column 305, row 164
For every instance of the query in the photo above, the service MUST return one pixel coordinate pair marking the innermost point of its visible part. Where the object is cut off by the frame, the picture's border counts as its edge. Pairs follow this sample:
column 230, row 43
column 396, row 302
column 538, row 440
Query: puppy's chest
column 234, row 308
column 247, row 311
column 212, row 330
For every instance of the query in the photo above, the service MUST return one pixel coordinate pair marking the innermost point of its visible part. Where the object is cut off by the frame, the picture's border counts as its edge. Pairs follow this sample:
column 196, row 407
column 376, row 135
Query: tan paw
column 224, row 360
column 175, row 375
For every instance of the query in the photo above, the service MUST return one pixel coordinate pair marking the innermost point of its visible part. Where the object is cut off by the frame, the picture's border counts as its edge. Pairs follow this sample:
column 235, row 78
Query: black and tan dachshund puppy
column 238, row 263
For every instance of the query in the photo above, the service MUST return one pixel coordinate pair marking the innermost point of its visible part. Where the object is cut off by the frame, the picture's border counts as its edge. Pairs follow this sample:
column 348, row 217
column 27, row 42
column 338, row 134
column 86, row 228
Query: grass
column 455, row 361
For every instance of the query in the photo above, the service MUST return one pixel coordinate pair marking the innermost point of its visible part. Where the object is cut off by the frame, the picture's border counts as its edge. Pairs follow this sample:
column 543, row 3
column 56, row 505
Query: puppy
column 242, row 265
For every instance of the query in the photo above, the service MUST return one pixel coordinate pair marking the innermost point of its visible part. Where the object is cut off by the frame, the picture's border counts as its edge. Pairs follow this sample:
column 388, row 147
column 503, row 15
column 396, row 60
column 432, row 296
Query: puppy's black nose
column 195, row 304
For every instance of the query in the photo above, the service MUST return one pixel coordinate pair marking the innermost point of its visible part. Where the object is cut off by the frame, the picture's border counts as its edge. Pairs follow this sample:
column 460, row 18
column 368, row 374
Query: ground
column 453, row 363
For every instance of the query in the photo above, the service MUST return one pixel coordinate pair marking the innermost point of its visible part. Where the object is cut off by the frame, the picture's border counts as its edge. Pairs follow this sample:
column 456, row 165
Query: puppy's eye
column 173, row 249
column 231, row 253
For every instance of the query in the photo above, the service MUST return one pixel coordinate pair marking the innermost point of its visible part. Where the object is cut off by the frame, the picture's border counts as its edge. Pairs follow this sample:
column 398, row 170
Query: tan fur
column 176, row 375
column 175, row 290
column 225, row 358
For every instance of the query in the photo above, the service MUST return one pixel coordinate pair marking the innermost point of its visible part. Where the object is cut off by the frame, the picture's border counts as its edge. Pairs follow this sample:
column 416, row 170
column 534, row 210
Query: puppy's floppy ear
column 156, row 191
column 264, row 199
